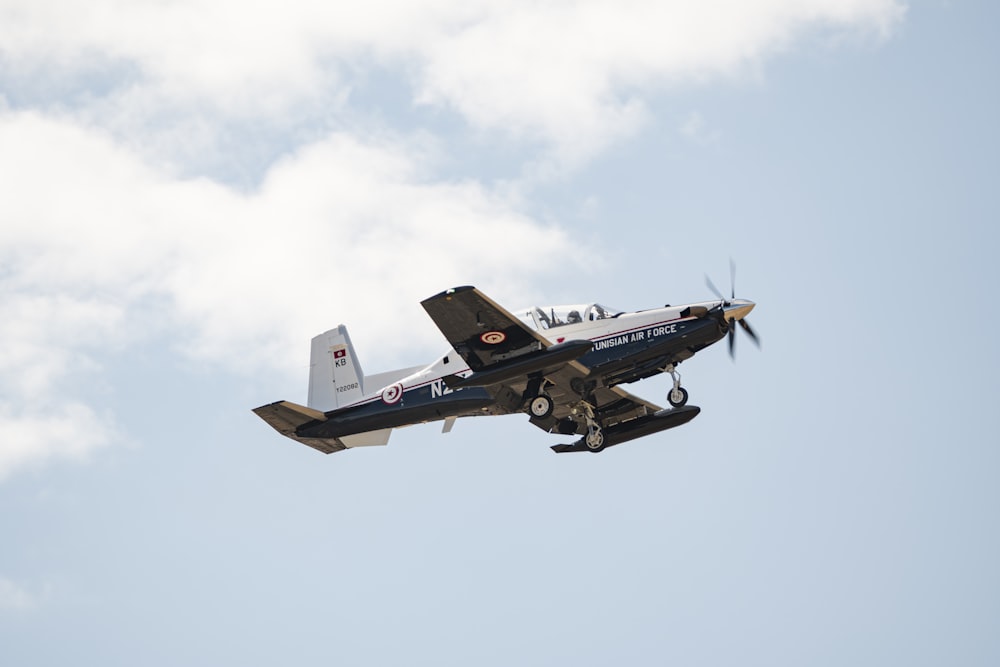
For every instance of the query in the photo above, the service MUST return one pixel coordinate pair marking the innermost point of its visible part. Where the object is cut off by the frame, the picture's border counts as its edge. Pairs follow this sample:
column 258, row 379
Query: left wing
column 479, row 329
column 498, row 347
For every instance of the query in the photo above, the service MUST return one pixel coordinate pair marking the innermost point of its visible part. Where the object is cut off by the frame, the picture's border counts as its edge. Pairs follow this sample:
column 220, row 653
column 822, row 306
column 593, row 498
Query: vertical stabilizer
column 335, row 377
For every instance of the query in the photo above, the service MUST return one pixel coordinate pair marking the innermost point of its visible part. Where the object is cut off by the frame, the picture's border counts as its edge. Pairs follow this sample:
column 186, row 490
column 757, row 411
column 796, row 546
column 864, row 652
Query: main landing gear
column 677, row 396
column 541, row 406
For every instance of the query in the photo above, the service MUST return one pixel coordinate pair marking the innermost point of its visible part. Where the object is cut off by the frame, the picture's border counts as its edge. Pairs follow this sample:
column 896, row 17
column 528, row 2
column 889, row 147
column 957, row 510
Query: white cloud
column 574, row 75
column 39, row 329
column 88, row 222
column 45, row 341
column 343, row 230
column 107, row 106
column 33, row 435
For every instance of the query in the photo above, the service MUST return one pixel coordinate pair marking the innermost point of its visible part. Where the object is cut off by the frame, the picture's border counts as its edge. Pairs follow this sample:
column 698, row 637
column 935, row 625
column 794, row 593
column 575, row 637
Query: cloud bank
column 572, row 76
column 122, row 122
column 101, row 251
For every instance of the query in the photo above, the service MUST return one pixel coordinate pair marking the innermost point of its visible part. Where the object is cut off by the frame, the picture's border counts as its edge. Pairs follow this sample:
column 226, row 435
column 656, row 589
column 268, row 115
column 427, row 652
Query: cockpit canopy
column 550, row 317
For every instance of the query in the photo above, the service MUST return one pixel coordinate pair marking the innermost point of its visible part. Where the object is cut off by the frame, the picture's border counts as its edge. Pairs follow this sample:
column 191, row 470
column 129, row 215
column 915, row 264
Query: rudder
column 335, row 376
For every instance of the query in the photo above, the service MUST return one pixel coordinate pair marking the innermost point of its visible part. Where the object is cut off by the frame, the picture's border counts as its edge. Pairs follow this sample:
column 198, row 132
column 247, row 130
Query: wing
column 479, row 329
column 612, row 405
column 500, row 349
column 493, row 341
column 623, row 417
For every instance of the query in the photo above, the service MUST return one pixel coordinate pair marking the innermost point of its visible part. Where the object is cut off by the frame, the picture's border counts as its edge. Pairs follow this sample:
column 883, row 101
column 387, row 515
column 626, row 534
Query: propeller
column 715, row 290
column 727, row 302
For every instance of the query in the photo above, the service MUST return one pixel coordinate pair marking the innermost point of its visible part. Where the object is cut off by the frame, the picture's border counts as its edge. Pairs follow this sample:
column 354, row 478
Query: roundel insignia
column 392, row 394
column 493, row 337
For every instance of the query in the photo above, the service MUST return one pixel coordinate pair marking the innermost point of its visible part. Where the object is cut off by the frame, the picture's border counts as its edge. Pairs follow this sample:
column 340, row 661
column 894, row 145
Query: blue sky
column 193, row 190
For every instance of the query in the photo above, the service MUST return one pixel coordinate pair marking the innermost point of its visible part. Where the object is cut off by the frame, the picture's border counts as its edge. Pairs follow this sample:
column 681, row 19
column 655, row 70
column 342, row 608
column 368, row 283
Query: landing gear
column 677, row 396
column 595, row 439
column 541, row 406
column 595, row 435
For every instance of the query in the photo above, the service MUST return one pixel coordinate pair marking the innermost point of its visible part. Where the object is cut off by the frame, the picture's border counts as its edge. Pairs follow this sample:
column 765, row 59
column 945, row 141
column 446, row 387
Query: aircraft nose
column 738, row 309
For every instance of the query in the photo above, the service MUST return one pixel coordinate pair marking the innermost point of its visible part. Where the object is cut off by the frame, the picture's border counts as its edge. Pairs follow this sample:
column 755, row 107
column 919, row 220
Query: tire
column 595, row 441
column 677, row 400
column 541, row 407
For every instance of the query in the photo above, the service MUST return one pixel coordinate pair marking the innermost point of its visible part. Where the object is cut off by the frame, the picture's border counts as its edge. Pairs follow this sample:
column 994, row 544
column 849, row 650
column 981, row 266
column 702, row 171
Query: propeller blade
column 715, row 290
column 746, row 327
column 732, row 341
column 732, row 277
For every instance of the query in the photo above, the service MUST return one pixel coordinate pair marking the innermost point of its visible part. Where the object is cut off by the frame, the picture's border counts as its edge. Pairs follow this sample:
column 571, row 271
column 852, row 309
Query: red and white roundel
column 392, row 394
column 493, row 337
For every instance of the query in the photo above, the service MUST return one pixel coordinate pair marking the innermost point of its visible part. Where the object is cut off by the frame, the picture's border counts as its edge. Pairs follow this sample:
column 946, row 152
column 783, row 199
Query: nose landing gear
column 595, row 439
column 677, row 396
column 595, row 435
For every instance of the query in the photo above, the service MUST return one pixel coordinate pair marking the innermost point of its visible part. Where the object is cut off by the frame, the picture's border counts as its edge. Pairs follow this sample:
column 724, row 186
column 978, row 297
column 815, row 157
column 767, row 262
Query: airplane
column 561, row 365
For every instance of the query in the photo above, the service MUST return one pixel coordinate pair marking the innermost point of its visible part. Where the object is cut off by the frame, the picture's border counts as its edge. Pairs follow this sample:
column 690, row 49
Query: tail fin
column 335, row 377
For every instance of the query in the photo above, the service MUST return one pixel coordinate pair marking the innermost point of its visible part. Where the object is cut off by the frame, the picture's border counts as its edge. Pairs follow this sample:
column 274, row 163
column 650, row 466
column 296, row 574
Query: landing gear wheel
column 595, row 440
column 677, row 397
column 541, row 406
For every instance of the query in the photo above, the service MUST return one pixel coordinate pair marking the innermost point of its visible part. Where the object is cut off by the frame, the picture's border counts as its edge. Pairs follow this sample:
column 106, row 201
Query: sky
column 192, row 190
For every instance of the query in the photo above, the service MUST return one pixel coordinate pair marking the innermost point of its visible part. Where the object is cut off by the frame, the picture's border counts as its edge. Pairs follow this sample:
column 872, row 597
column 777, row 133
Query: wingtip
column 448, row 292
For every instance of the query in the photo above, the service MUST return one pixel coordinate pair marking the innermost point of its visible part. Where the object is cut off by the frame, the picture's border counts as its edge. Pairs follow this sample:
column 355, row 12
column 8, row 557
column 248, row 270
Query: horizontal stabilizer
column 286, row 418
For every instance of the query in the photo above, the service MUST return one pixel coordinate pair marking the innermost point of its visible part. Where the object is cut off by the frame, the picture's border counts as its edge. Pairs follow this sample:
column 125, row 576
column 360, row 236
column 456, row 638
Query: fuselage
column 624, row 347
